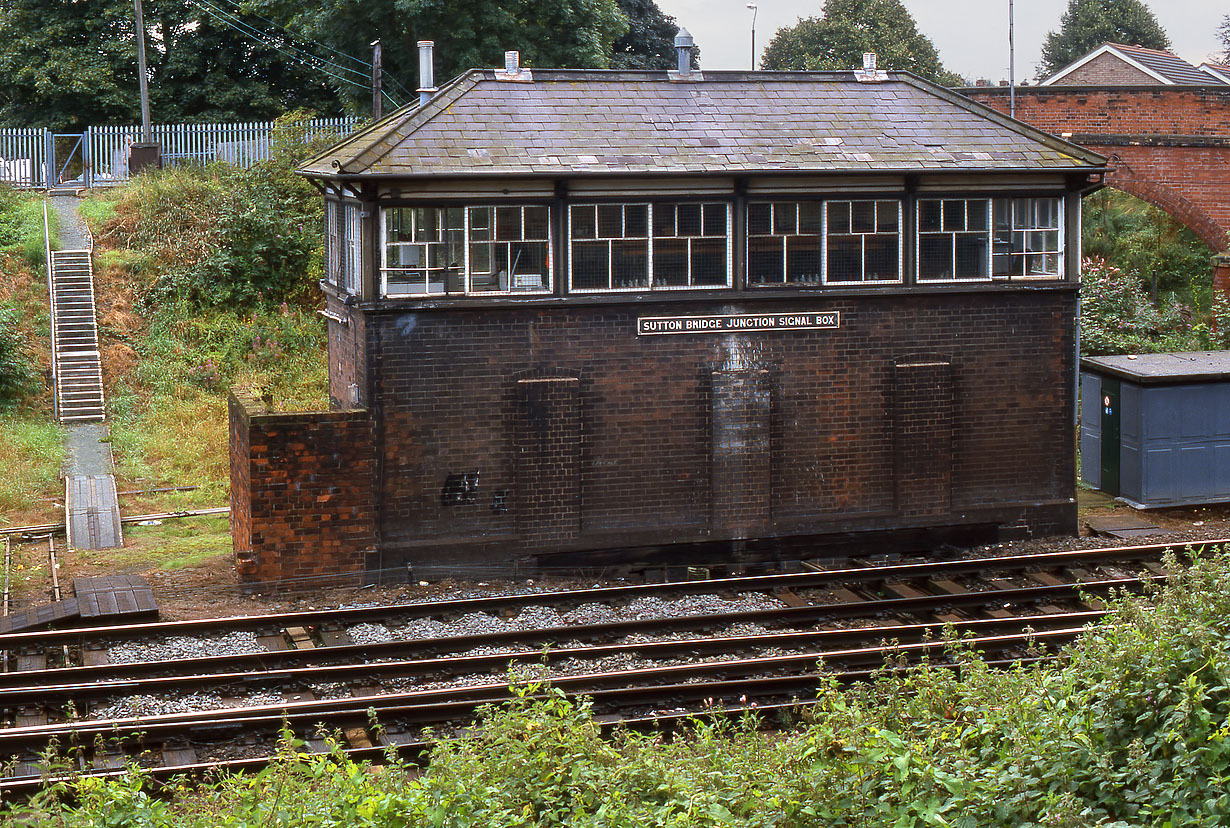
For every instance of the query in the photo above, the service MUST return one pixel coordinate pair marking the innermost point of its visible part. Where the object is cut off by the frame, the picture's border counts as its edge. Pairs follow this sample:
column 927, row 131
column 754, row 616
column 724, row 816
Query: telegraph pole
column 1011, row 61
column 144, row 154
column 377, row 80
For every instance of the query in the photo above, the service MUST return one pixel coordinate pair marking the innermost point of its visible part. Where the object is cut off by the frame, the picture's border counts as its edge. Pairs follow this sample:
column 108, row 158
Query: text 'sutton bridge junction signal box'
column 1155, row 428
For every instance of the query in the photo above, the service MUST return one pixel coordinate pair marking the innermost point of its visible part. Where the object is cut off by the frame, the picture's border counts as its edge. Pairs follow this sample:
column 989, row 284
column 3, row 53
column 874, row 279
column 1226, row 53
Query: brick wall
column 1168, row 146
column 580, row 434
column 1108, row 70
column 1158, row 110
column 302, row 492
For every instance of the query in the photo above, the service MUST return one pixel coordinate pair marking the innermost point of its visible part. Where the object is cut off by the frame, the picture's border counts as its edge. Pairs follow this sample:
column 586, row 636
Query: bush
column 1119, row 317
column 18, row 372
column 220, row 237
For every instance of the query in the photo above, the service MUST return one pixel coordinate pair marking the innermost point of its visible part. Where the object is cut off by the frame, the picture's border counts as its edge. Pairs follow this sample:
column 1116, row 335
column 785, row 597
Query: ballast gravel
column 236, row 643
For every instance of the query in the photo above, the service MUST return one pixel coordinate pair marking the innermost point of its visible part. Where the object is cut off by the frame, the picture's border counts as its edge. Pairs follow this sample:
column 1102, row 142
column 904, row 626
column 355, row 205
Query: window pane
column 863, row 217
column 610, row 221
column 590, row 265
column 785, row 218
column 886, row 216
column 584, row 225
column 971, row 255
column 480, row 223
column 928, row 215
column 714, row 219
column 689, row 219
column 845, row 258
column 426, row 223
column 759, row 219
column 803, row 259
column 976, row 210
column 630, row 263
column 670, row 262
column 709, row 261
column 663, row 220
column 636, row 221
column 810, row 213
column 839, row 217
column 880, row 257
column 764, row 260
column 935, row 257
column 508, row 223
column 400, row 283
column 536, row 223
column 954, row 215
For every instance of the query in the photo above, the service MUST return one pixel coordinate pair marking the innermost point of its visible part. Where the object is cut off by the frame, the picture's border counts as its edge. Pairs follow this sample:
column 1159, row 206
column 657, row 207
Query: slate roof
column 1170, row 66
column 617, row 122
column 1218, row 71
column 1170, row 69
column 1157, row 369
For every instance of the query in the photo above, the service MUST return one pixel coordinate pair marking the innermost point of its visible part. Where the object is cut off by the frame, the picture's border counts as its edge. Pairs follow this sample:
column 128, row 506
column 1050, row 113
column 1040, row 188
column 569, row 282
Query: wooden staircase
column 74, row 331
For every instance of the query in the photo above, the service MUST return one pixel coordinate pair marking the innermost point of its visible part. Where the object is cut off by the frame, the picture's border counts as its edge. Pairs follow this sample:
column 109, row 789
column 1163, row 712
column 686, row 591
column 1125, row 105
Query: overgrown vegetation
column 1130, row 729
column 216, row 268
column 1147, row 285
column 30, row 445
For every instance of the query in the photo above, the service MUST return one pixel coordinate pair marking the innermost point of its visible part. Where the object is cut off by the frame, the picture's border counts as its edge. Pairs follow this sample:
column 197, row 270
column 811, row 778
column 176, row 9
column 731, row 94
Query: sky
column 971, row 35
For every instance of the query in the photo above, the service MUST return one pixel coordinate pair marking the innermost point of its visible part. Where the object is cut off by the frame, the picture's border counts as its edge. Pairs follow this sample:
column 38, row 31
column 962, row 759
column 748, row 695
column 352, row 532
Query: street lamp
column 754, row 9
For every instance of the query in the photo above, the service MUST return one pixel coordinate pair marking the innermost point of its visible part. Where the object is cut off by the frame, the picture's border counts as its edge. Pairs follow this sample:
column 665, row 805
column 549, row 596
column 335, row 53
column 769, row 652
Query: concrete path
column 92, row 511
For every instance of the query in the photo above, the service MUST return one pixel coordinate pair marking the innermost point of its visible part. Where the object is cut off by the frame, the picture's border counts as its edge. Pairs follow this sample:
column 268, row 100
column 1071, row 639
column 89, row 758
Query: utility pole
column 754, row 9
column 144, row 154
column 1011, row 61
column 377, row 80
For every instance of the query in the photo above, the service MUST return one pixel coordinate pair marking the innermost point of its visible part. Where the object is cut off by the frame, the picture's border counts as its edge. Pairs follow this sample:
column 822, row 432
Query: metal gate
column 69, row 160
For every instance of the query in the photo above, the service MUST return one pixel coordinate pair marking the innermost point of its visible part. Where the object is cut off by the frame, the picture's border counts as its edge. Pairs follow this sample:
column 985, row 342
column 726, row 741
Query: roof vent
column 427, row 71
column 512, row 71
column 683, row 48
column 869, row 73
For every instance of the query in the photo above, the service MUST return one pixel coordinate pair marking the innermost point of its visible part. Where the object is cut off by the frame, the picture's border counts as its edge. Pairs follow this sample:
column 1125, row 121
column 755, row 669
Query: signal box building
column 580, row 318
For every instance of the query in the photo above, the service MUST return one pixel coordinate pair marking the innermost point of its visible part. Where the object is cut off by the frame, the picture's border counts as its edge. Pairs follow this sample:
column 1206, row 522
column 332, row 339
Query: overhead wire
column 287, row 47
column 310, row 42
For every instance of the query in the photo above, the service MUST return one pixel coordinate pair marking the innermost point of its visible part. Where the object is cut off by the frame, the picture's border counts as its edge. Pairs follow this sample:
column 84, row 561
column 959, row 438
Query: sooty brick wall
column 507, row 429
column 302, row 492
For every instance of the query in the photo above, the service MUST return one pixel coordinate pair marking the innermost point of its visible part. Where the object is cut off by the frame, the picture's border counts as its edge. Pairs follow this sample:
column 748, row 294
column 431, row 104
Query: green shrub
column 220, row 237
column 21, row 225
column 18, row 371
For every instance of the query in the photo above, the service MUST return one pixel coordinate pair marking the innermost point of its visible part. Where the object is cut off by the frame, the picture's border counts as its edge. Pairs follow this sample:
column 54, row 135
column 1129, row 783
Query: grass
column 175, row 544
column 31, row 453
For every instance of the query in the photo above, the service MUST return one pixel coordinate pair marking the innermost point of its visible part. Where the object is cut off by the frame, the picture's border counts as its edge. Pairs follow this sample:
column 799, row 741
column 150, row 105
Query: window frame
column 1060, row 231
column 772, row 204
column 466, row 240
column 827, row 279
column 919, row 233
column 650, row 283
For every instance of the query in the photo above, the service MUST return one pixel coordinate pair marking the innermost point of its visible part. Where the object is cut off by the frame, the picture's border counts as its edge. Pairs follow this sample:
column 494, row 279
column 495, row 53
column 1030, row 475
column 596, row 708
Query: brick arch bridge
column 1169, row 146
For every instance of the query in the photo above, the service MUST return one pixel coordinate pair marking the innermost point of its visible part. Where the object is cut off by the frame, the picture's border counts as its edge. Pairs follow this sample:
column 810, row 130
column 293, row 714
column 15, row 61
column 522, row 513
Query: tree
column 467, row 33
column 848, row 28
column 1224, row 34
column 649, row 42
column 69, row 64
column 1087, row 24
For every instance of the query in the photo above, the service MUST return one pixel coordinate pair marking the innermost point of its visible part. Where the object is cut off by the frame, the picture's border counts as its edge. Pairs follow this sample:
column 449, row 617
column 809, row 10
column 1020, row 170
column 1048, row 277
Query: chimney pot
column 683, row 46
column 427, row 71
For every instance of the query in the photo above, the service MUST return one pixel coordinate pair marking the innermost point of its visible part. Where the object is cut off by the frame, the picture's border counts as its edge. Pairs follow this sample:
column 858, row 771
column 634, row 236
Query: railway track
column 310, row 673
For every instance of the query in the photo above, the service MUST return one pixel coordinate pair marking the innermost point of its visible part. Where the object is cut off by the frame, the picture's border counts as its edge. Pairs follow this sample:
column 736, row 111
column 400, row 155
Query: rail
column 51, row 294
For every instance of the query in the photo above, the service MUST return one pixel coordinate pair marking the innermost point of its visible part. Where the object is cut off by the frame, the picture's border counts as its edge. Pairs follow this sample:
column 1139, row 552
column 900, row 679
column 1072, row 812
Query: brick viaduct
column 1168, row 145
